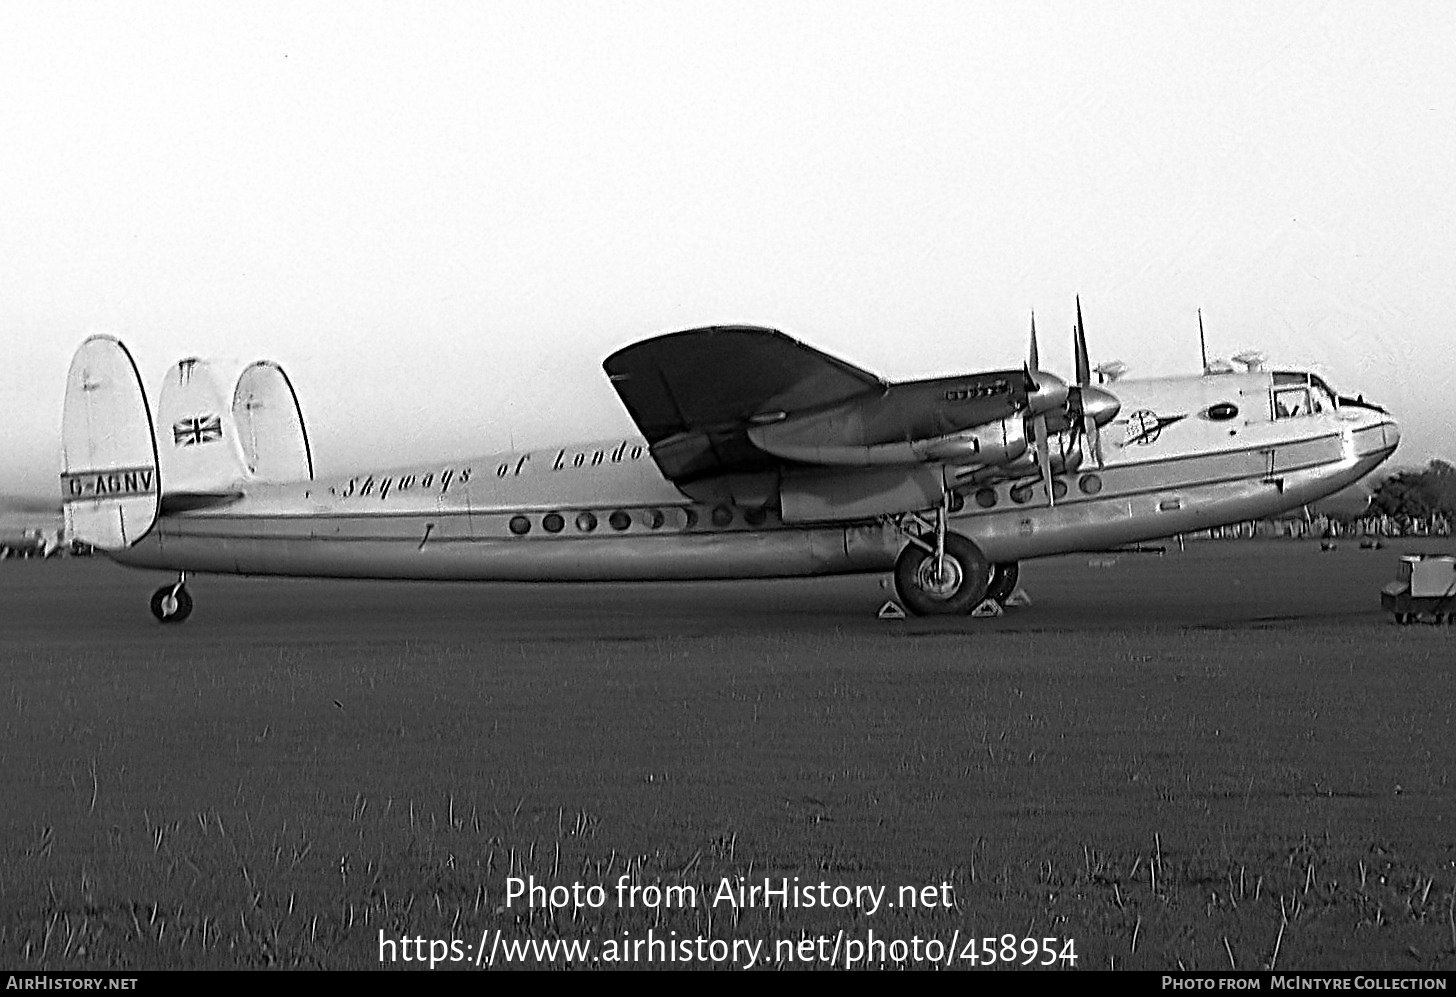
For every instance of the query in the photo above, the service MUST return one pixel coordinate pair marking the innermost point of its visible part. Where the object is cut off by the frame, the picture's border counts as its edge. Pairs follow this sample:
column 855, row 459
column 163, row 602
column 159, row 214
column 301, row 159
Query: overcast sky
column 441, row 217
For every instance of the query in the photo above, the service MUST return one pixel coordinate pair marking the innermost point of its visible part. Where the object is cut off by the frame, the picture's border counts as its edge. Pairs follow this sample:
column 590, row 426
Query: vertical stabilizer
column 110, row 486
column 197, row 439
column 270, row 425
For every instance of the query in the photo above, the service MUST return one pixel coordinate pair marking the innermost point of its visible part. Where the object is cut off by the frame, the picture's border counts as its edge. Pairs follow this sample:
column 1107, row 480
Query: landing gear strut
column 939, row 572
column 171, row 603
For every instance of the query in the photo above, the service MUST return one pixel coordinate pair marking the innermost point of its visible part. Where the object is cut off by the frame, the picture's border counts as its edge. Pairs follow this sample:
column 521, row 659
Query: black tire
column 967, row 576
column 171, row 604
column 1003, row 580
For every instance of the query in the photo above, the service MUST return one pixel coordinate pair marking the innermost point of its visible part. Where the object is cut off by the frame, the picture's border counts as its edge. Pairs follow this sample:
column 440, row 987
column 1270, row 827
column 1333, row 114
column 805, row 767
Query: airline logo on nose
column 192, row 432
column 1145, row 426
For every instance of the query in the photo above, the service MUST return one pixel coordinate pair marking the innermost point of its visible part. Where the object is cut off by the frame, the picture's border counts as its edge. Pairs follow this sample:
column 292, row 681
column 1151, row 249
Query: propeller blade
column 1032, row 358
column 1042, row 441
column 1093, row 435
column 1091, row 431
column 1079, row 345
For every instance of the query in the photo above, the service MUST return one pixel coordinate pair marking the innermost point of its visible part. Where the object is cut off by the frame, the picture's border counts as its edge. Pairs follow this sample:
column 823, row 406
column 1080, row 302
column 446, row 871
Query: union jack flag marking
column 191, row 432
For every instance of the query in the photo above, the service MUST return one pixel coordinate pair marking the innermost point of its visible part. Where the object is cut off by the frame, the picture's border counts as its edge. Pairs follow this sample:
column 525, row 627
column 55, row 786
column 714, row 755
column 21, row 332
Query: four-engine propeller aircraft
column 761, row 457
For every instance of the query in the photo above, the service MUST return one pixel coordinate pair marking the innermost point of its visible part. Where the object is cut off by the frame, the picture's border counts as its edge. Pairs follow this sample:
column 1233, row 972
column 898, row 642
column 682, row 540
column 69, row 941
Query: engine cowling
column 993, row 443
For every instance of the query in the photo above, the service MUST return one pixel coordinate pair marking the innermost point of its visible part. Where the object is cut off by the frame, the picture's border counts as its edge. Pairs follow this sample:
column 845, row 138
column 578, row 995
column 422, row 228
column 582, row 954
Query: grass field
column 1225, row 757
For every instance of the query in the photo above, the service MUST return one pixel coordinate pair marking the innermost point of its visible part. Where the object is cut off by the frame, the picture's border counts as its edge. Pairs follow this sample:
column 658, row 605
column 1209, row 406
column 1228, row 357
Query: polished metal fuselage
column 602, row 511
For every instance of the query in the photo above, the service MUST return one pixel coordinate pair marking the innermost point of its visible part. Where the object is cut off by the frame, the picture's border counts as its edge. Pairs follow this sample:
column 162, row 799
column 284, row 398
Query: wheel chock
column 891, row 611
column 1018, row 599
column 989, row 607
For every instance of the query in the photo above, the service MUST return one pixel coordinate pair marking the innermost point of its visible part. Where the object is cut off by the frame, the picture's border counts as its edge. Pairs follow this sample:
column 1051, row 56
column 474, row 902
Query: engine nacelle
column 993, row 443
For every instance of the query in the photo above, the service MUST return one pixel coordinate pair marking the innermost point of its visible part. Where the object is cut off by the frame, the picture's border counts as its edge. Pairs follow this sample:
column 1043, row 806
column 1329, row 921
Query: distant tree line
column 1418, row 495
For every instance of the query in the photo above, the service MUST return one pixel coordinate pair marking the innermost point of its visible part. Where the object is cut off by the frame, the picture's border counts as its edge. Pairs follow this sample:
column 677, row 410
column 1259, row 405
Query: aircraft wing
column 695, row 394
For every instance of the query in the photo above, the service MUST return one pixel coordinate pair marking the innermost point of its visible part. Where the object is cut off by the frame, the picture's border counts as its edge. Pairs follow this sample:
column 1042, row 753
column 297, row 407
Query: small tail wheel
column 171, row 603
column 1003, row 580
column 957, row 587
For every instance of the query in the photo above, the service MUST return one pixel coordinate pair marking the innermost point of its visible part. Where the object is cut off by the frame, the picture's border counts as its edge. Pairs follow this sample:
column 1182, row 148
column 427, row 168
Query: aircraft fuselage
column 1184, row 454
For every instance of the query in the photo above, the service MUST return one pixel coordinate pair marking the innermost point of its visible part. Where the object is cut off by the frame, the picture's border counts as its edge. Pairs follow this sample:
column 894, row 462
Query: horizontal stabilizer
column 110, row 484
column 197, row 438
column 270, row 425
column 174, row 502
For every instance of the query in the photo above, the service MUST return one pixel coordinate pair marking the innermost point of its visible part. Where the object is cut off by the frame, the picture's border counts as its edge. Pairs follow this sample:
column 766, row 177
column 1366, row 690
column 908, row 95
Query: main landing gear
column 1003, row 581
column 940, row 573
column 171, row 603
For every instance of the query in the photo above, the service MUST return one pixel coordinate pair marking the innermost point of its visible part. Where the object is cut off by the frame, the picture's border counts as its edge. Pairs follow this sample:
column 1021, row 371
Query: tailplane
column 270, row 425
column 110, row 485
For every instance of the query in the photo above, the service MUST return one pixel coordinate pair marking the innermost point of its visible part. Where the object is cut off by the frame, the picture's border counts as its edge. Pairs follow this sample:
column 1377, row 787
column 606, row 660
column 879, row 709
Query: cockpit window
column 1291, row 403
column 1322, row 398
column 1301, row 394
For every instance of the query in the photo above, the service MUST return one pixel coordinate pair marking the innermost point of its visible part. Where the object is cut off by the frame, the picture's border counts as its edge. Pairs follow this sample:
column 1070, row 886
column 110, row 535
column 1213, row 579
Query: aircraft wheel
column 171, row 604
column 958, row 587
column 1003, row 580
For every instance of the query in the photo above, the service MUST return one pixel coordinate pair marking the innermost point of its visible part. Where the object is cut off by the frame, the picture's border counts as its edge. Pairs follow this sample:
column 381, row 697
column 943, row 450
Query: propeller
column 1080, row 410
column 1088, row 406
column 1040, row 438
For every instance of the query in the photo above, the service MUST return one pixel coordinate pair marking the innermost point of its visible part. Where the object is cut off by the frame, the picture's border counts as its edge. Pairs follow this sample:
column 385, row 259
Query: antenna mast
column 1202, row 346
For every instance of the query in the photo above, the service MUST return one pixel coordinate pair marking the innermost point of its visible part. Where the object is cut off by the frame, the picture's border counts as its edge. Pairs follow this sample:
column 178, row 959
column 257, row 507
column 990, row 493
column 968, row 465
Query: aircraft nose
column 1390, row 429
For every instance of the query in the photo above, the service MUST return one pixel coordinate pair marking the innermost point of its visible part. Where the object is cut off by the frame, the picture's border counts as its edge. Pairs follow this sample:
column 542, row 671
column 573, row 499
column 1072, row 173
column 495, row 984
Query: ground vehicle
column 1426, row 588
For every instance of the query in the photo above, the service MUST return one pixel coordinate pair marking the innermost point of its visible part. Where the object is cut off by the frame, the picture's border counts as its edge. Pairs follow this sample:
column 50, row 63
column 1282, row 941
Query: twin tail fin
column 120, row 470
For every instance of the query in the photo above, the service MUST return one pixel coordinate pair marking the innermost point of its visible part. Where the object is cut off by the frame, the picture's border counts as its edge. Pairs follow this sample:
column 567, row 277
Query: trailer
column 1425, row 592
